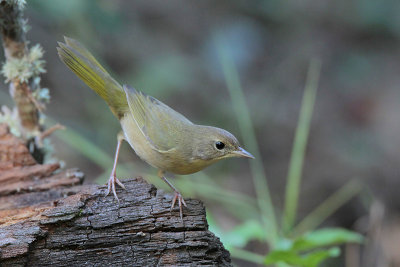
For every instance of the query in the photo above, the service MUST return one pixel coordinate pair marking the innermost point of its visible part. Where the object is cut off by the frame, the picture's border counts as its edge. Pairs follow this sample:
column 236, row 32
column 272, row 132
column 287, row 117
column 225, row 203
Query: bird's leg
column 113, row 178
column 177, row 196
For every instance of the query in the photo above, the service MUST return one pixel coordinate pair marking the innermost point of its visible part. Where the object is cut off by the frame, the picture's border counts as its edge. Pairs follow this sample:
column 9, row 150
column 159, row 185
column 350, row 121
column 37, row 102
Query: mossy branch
column 21, row 69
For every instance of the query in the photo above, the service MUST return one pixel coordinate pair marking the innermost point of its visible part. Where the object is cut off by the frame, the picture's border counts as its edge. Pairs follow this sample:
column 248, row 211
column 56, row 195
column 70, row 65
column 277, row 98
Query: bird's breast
column 173, row 161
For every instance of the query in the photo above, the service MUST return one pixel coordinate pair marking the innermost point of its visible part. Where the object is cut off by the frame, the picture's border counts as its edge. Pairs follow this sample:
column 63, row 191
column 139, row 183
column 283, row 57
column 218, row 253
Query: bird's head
column 213, row 144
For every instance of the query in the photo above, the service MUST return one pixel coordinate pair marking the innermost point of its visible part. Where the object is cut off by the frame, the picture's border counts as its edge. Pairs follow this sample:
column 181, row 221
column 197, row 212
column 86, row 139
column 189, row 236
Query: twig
column 49, row 131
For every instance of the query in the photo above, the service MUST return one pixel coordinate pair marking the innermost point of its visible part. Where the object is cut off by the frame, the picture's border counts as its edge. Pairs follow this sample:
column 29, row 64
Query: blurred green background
column 170, row 50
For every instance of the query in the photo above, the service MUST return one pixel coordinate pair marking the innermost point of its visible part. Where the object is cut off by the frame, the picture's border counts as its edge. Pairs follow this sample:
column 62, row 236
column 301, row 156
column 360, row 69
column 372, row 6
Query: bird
column 158, row 134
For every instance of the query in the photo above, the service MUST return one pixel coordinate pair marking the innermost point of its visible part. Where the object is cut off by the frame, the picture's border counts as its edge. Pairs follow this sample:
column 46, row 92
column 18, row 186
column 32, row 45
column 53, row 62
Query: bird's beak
column 240, row 152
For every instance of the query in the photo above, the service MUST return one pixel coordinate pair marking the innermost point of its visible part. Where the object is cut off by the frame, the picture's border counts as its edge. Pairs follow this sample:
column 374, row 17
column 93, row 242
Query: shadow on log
column 48, row 218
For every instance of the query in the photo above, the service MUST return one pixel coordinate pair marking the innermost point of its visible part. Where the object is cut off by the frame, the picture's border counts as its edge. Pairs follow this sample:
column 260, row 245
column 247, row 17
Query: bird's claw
column 181, row 201
column 111, row 186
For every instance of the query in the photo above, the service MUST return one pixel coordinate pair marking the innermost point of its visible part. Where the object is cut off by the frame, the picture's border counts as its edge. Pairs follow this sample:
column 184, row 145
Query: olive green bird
column 159, row 135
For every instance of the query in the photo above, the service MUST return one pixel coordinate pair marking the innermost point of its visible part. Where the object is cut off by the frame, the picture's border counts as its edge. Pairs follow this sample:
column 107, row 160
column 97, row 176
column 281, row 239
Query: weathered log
column 52, row 221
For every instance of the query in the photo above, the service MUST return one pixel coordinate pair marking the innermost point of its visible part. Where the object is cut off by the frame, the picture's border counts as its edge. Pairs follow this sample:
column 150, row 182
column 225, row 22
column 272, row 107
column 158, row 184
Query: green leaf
column 326, row 237
column 282, row 256
column 311, row 259
column 316, row 257
column 284, row 244
column 242, row 234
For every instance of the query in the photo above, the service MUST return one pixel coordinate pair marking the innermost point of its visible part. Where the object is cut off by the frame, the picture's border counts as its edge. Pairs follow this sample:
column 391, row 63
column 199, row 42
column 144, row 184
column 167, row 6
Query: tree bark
column 47, row 218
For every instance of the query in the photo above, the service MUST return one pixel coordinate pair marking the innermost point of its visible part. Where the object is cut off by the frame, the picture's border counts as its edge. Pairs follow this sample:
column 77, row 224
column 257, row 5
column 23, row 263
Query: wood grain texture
column 52, row 220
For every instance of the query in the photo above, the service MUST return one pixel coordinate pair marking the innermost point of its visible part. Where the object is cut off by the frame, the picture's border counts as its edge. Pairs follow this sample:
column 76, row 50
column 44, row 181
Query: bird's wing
column 160, row 124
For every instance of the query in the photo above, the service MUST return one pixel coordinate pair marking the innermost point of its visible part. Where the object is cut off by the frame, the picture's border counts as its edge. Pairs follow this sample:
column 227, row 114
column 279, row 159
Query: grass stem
column 299, row 146
column 328, row 207
column 247, row 255
column 250, row 141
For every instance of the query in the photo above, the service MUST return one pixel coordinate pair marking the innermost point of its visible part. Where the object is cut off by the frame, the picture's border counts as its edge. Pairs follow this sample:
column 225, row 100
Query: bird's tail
column 88, row 69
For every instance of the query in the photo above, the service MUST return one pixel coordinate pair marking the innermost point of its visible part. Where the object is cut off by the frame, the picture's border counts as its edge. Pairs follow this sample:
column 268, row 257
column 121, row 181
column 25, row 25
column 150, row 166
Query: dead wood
column 47, row 218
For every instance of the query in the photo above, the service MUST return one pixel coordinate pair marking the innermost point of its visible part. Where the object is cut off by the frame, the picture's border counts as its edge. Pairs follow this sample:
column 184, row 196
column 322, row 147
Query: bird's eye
column 219, row 145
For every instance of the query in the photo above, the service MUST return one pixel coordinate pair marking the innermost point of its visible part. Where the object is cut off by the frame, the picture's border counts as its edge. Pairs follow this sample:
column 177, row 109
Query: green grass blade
column 328, row 207
column 85, row 147
column 250, row 141
column 247, row 255
column 299, row 146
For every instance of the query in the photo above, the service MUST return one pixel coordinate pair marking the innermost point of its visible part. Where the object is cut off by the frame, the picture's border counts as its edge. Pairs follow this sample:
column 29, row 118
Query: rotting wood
column 53, row 220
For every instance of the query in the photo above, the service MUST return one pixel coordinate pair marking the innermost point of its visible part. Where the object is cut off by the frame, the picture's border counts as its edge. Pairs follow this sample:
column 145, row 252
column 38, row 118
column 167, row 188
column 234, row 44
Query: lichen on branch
column 28, row 66
column 21, row 69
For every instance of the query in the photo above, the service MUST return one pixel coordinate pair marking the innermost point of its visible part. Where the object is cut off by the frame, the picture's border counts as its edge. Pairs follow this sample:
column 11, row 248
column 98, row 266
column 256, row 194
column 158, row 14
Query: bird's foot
column 111, row 186
column 181, row 201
